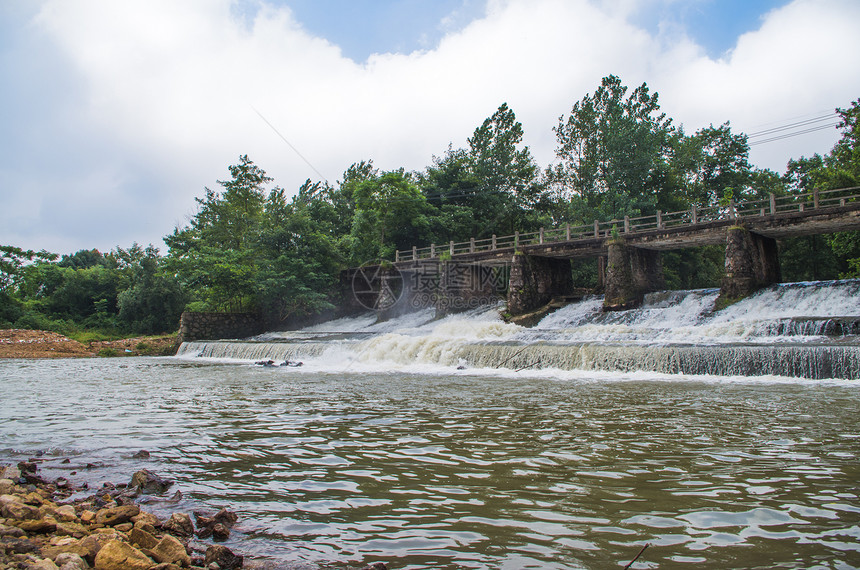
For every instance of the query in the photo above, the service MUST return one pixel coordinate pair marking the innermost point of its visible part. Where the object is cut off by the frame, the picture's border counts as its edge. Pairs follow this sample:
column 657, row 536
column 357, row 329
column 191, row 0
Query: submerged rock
column 179, row 524
column 217, row 526
column 223, row 557
column 147, row 482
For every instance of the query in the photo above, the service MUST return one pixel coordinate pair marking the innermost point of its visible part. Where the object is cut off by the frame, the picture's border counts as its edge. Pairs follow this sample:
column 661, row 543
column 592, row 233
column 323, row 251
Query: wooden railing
column 694, row 216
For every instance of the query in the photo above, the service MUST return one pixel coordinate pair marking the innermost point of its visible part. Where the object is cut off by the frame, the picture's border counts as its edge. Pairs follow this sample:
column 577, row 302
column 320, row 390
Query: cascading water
column 809, row 330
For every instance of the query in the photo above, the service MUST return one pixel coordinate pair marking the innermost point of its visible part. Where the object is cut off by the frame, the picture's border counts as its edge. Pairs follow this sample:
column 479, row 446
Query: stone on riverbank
column 118, row 555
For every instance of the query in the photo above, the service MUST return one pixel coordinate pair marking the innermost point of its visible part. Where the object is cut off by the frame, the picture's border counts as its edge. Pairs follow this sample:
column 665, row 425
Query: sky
column 116, row 114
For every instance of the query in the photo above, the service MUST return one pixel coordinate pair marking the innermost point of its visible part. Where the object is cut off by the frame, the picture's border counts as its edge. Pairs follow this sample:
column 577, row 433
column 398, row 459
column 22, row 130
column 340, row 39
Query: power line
column 794, row 129
column 295, row 150
column 796, row 133
column 828, row 117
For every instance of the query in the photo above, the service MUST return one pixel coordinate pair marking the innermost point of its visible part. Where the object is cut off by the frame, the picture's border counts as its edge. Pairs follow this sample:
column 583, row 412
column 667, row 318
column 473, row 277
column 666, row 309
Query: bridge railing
column 772, row 205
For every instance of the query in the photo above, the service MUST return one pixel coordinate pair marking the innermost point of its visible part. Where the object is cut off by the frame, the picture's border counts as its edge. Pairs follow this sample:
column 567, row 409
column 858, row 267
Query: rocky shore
column 49, row 525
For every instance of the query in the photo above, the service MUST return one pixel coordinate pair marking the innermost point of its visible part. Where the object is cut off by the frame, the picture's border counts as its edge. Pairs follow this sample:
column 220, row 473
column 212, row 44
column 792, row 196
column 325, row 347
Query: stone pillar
column 630, row 273
column 534, row 281
column 752, row 262
column 465, row 286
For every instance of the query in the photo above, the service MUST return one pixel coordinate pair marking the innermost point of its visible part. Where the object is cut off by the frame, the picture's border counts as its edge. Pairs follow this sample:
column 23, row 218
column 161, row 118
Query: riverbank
column 22, row 343
column 49, row 525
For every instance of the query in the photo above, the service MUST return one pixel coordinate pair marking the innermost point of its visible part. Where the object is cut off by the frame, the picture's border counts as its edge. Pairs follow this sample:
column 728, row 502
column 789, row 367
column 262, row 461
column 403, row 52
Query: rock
column 223, row 557
column 117, row 555
column 150, row 483
column 165, row 566
column 69, row 561
column 89, row 547
column 43, row 525
column 65, row 513
column 117, row 515
column 179, row 524
column 13, row 507
column 170, row 550
column 6, row 472
column 376, row 566
column 34, row 498
column 6, row 486
column 71, row 529
column 18, row 545
column 217, row 526
column 142, row 538
column 146, row 521
column 142, row 454
column 14, row 531
column 43, row 564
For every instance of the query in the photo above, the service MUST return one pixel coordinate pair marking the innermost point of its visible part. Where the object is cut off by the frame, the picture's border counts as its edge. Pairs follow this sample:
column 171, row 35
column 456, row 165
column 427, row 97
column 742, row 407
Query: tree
column 840, row 168
column 301, row 259
column 215, row 253
column 506, row 174
column 152, row 300
column 612, row 151
column 712, row 162
column 390, row 213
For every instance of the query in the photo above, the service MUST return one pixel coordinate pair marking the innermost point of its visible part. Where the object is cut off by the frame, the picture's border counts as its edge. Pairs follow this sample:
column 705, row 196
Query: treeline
column 250, row 247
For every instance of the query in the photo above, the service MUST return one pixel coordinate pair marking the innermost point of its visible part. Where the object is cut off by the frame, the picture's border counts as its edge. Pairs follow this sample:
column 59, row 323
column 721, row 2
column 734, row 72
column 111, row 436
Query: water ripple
column 465, row 472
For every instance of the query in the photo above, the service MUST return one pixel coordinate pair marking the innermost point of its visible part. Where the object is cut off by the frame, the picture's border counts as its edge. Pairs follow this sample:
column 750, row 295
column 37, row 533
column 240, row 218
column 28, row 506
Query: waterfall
column 808, row 330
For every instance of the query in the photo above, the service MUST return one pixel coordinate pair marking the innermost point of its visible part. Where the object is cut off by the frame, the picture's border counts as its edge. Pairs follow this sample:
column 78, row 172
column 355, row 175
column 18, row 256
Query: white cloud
column 166, row 93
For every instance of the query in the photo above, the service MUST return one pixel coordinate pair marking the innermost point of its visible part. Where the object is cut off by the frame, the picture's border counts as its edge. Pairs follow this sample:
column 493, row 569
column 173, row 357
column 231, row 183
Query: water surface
column 466, row 469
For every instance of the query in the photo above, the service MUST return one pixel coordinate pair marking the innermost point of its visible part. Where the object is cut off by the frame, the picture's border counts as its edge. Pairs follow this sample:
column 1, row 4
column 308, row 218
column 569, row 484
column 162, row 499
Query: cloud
column 150, row 100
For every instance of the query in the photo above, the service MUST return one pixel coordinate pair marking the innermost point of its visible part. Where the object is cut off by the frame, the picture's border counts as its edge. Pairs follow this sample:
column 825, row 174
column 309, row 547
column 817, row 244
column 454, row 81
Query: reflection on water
column 433, row 471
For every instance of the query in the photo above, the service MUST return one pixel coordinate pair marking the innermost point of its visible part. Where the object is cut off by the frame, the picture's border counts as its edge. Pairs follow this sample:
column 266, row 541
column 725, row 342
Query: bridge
column 627, row 251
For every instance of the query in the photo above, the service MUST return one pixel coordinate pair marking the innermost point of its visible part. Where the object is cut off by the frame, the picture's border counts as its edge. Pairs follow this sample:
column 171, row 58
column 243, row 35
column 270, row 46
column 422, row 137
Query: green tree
column 713, row 161
column 215, row 254
column 152, row 300
column 505, row 172
column 613, row 152
column 299, row 249
column 840, row 168
column 391, row 213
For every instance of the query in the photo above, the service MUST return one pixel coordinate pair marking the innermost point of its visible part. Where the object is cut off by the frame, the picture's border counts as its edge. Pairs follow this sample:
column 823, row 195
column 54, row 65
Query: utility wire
column 794, row 134
column 794, row 129
column 797, row 124
column 295, row 150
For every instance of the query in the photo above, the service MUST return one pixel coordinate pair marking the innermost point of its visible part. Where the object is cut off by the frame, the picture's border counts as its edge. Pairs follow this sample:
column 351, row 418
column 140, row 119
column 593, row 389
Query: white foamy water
column 805, row 330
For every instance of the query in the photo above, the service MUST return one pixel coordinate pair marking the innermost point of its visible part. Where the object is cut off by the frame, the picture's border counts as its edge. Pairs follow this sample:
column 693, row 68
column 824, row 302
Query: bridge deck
column 787, row 216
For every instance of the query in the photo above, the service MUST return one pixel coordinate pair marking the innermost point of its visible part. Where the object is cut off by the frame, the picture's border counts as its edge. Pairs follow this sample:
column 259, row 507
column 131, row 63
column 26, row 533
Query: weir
column 806, row 330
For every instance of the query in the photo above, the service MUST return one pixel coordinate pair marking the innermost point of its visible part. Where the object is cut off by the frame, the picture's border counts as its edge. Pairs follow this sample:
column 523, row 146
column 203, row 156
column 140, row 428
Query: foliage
column 840, row 168
column 612, row 151
column 153, row 300
column 249, row 249
column 695, row 268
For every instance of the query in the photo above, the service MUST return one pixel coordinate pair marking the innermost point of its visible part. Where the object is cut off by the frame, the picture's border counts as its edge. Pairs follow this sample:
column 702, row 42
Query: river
column 390, row 444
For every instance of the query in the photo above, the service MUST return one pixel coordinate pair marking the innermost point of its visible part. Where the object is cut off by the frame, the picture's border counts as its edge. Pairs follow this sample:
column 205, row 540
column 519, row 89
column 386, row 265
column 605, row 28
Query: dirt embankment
column 18, row 343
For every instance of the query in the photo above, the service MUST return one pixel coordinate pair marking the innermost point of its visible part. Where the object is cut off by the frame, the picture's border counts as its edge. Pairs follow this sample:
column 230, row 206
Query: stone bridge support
column 630, row 273
column 752, row 262
column 464, row 286
column 534, row 281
